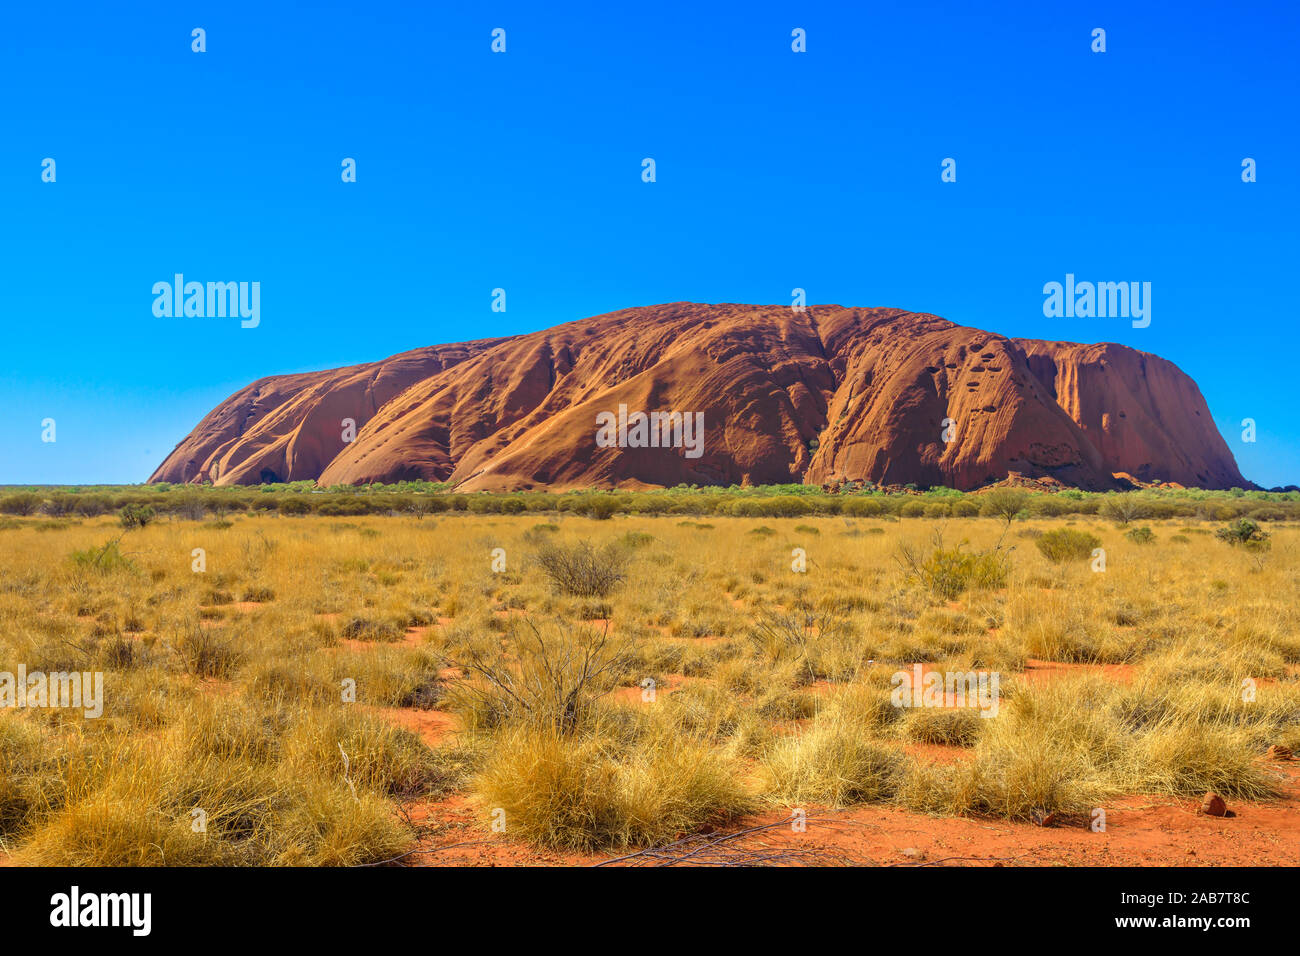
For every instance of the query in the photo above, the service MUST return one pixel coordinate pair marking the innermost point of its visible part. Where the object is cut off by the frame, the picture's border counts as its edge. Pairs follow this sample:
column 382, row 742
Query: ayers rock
column 826, row 394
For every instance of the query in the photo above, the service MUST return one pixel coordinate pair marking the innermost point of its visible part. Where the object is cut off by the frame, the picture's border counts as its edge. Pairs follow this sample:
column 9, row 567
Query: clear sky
column 522, row 170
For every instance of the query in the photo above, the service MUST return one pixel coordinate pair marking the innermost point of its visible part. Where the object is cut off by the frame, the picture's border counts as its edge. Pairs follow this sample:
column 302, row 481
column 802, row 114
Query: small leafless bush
column 581, row 570
column 548, row 678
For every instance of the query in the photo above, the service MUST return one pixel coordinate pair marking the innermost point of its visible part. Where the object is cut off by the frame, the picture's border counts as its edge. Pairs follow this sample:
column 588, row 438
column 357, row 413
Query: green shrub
column 23, row 503
column 104, row 559
column 861, row 508
column 1004, row 503
column 949, row 572
column 1244, row 532
column 136, row 516
column 1124, row 508
column 599, row 506
column 1067, row 544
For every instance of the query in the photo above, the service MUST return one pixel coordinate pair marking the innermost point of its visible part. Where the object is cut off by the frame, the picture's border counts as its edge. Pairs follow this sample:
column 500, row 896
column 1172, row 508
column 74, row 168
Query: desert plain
column 549, row 687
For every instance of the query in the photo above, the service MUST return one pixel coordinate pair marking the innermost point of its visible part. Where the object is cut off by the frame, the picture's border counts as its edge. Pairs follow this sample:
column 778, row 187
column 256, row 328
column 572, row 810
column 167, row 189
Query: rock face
column 827, row 394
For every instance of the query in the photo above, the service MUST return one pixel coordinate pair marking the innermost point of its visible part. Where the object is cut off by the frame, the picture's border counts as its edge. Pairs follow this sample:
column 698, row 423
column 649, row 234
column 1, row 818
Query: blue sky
column 476, row 170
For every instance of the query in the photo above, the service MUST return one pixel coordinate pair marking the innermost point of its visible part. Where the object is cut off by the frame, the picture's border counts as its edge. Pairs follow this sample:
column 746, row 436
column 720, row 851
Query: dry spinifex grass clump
column 565, row 770
column 605, row 788
column 234, row 783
